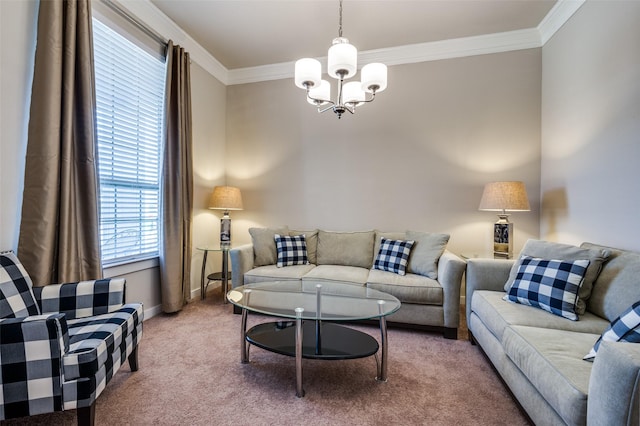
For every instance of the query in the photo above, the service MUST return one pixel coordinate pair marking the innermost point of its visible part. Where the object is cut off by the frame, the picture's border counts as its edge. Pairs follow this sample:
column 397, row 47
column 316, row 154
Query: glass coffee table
column 312, row 314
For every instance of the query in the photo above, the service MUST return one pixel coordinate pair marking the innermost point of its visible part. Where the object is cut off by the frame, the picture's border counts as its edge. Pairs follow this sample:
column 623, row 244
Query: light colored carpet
column 190, row 374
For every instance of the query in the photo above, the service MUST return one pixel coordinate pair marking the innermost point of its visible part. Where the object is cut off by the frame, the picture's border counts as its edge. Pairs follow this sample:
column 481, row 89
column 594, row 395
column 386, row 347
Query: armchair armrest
column 486, row 274
column 614, row 386
column 241, row 262
column 31, row 364
column 82, row 299
column 450, row 271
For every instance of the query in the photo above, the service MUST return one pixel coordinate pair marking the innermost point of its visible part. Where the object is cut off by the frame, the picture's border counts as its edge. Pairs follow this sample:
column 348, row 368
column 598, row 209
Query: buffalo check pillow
column 551, row 285
column 16, row 294
column 292, row 250
column 625, row 328
column 393, row 255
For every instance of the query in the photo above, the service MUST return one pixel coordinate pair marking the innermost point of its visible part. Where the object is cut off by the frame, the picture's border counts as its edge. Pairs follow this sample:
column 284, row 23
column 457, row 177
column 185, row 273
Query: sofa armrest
column 486, row 274
column 31, row 364
column 241, row 262
column 614, row 385
column 450, row 271
column 82, row 299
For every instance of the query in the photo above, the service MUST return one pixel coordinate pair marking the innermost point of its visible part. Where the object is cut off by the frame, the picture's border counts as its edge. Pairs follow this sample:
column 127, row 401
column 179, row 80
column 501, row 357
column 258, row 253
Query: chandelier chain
column 340, row 21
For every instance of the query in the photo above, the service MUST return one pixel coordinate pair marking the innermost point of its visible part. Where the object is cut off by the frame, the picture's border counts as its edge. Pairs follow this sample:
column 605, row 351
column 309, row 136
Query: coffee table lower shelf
column 334, row 342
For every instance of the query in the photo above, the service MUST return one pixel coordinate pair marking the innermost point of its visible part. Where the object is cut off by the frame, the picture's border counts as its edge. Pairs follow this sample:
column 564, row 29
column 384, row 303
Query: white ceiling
column 250, row 33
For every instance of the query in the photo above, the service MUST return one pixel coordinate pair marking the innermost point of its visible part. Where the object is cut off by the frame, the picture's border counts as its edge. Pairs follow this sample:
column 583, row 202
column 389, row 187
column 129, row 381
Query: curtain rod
column 134, row 21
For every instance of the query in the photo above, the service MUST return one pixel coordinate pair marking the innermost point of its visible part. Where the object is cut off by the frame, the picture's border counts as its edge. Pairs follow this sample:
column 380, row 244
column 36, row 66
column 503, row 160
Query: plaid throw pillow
column 292, row 250
column 393, row 255
column 16, row 295
column 625, row 328
column 551, row 285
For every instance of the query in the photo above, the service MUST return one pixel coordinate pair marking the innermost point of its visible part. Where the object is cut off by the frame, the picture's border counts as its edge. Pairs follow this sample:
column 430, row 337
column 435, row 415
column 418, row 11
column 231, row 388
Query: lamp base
column 225, row 229
column 503, row 238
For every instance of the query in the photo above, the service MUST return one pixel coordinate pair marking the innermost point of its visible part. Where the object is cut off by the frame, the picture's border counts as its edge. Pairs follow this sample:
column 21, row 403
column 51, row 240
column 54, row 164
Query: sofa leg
column 87, row 415
column 472, row 339
column 450, row 333
column 133, row 359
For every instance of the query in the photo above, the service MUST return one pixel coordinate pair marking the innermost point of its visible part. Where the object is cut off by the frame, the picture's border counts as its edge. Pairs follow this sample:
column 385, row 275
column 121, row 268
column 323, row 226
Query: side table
column 223, row 276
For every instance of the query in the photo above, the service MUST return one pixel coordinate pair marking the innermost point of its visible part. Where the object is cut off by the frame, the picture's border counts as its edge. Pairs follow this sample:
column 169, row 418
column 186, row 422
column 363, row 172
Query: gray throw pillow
column 426, row 253
column 345, row 248
column 312, row 243
column 264, row 244
column 551, row 250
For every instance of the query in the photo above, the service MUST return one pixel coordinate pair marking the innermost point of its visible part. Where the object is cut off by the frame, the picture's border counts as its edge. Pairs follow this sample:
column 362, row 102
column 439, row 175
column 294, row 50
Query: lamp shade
column 374, row 75
column 308, row 71
column 225, row 198
column 505, row 196
column 352, row 93
column 342, row 58
column 321, row 94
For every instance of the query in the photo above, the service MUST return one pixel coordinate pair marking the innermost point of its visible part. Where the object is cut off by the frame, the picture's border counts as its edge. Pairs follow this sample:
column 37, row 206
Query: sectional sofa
column 429, row 289
column 539, row 354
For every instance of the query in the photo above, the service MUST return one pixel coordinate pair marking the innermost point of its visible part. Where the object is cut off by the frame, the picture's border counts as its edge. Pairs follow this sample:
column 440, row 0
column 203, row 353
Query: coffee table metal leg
column 299, row 390
column 382, row 368
column 244, row 346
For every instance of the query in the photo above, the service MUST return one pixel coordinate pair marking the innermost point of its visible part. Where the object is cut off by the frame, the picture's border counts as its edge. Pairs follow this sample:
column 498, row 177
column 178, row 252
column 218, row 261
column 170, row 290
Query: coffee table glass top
column 338, row 301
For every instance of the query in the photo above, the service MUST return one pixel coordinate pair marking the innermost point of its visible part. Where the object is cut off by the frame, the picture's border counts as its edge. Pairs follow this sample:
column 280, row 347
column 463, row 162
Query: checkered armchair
column 61, row 344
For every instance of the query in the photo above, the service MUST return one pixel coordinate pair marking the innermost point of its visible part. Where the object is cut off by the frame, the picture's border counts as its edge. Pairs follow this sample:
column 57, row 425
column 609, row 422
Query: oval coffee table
column 313, row 312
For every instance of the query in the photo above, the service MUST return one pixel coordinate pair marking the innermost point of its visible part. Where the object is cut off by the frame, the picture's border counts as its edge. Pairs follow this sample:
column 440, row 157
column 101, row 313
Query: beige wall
column 18, row 32
column 591, row 127
column 416, row 158
column 17, row 40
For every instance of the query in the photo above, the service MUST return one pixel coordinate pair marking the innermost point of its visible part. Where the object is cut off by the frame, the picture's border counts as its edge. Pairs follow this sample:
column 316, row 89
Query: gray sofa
column 429, row 292
column 539, row 355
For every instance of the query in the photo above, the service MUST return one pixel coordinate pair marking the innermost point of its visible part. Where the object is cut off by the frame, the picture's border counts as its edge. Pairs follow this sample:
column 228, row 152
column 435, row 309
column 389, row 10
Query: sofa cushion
column 393, row 255
column 346, row 248
column 264, row 244
column 554, row 367
column 625, row 328
column 292, row 250
column 551, row 250
column 497, row 314
column 338, row 273
column 311, row 237
column 551, row 285
column 94, row 340
column 426, row 252
column 617, row 285
column 16, row 294
column 273, row 273
column 410, row 288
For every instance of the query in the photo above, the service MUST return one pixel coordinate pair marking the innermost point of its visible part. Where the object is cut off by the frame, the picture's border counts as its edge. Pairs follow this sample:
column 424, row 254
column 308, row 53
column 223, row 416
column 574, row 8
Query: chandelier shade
column 342, row 59
column 308, row 72
column 342, row 64
column 374, row 77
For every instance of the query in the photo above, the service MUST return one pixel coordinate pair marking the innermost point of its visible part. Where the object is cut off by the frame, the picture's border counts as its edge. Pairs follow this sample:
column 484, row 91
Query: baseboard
column 152, row 312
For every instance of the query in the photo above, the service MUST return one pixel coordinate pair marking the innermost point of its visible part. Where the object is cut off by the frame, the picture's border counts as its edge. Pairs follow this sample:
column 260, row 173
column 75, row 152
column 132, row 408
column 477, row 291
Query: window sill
column 119, row 269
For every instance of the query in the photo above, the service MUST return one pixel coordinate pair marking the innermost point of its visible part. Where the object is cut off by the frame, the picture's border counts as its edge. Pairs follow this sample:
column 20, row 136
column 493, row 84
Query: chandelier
column 342, row 64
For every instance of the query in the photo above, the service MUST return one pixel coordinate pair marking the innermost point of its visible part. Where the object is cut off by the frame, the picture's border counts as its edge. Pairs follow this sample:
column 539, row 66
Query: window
column 130, row 101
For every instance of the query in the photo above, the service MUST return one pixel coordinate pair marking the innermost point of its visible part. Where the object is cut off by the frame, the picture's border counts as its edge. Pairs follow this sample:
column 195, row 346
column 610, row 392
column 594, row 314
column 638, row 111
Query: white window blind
column 129, row 98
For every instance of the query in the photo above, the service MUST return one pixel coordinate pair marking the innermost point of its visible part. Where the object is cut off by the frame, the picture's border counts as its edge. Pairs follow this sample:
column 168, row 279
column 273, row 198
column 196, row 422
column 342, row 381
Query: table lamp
column 504, row 197
column 225, row 198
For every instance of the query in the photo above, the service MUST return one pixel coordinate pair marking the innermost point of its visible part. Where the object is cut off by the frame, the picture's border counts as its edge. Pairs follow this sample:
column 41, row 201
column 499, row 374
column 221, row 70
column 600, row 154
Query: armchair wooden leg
column 87, row 415
column 133, row 359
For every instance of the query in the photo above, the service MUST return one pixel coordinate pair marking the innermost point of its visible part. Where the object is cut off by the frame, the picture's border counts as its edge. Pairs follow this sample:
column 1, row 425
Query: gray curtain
column 59, row 235
column 177, row 183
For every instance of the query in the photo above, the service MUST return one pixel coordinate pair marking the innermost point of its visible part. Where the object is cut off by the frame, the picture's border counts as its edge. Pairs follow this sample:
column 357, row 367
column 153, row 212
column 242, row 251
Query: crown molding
column 557, row 16
column 153, row 17
column 408, row 54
